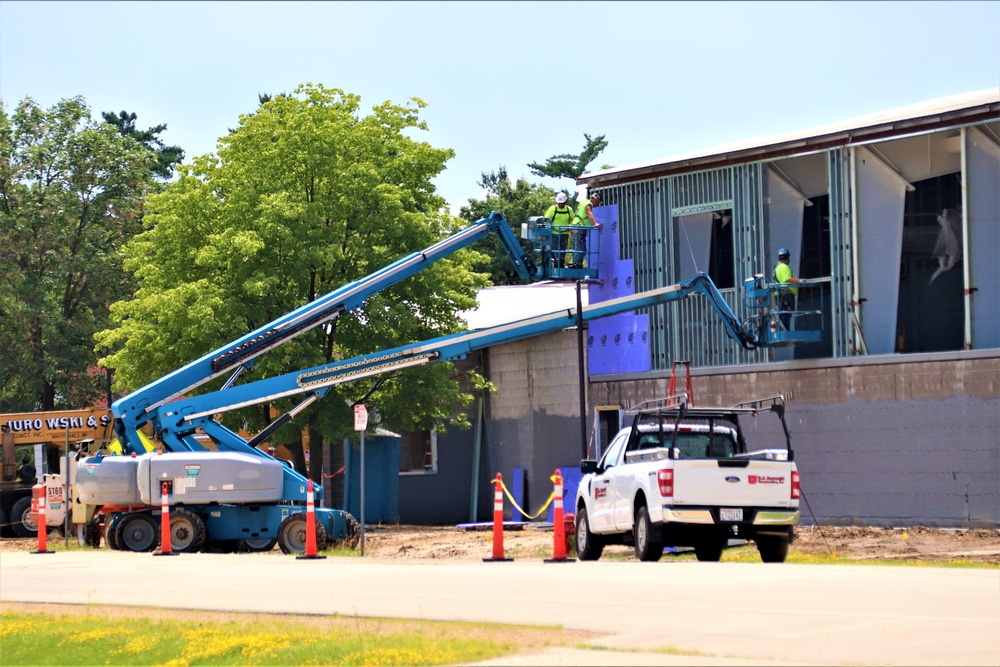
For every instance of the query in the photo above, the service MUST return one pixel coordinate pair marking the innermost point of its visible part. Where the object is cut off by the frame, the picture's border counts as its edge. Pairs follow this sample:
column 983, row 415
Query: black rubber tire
column 256, row 545
column 138, row 533
column 92, row 533
column 772, row 549
column 646, row 548
column 20, row 518
column 187, row 531
column 352, row 534
column 292, row 534
column 709, row 550
column 588, row 545
column 111, row 524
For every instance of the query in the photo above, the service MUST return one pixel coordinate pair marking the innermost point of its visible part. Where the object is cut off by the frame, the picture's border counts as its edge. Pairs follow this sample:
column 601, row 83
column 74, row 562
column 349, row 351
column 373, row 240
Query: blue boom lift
column 228, row 493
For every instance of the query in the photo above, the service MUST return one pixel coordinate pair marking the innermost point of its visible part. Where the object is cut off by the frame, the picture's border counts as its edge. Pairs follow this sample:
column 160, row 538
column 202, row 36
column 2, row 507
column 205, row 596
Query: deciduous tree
column 71, row 193
column 305, row 195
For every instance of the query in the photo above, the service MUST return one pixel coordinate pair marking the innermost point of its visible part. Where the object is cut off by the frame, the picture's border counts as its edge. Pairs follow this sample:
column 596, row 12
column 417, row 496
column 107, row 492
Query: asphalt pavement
column 669, row 613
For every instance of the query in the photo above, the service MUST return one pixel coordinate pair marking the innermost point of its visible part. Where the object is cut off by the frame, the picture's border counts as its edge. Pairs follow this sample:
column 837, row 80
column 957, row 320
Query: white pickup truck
column 684, row 476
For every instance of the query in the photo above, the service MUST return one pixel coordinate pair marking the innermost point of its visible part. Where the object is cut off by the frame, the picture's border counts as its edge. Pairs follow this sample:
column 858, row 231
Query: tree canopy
column 518, row 201
column 71, row 194
column 305, row 195
column 166, row 156
column 568, row 165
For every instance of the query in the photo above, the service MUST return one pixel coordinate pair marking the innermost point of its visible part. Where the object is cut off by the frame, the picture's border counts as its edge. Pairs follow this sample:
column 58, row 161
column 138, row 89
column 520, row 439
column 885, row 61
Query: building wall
column 879, row 441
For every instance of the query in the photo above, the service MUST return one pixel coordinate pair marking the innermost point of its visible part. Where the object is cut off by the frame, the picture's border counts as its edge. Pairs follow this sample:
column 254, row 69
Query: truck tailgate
column 713, row 482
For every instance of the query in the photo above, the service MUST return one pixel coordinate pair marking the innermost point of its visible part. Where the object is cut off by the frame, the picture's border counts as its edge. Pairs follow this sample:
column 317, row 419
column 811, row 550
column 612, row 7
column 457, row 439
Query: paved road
column 720, row 613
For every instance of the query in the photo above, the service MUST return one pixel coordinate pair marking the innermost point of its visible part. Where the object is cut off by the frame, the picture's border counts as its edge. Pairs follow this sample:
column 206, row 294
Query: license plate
column 727, row 514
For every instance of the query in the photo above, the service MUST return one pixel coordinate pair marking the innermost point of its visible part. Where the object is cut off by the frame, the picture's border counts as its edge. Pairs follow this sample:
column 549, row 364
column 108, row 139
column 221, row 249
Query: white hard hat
column 561, row 198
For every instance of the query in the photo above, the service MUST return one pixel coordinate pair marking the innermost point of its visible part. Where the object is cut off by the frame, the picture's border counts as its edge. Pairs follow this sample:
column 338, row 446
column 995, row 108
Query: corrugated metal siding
column 841, row 257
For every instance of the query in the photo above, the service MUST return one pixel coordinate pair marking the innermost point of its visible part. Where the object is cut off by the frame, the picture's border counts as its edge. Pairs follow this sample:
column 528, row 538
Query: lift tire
column 588, row 545
column 256, row 545
column 187, row 531
column 292, row 534
column 111, row 523
column 92, row 533
column 646, row 548
column 352, row 534
column 20, row 518
column 138, row 533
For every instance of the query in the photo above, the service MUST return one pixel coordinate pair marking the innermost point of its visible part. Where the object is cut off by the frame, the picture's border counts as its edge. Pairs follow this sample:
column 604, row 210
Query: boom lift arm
column 141, row 406
column 181, row 419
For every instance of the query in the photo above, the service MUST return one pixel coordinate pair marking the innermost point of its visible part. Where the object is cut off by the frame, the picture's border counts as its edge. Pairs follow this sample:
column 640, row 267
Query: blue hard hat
column 783, row 252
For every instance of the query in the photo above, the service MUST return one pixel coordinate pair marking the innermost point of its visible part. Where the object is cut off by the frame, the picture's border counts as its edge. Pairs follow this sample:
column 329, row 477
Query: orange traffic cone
column 311, row 551
column 40, row 500
column 497, row 522
column 165, row 546
column 558, row 524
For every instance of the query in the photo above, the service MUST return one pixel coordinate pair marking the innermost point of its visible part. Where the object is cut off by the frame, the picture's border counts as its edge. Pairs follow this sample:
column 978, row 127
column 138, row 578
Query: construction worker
column 561, row 216
column 783, row 274
column 584, row 216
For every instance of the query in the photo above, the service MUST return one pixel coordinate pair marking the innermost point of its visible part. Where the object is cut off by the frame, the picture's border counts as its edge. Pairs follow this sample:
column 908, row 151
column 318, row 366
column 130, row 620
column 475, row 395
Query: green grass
column 139, row 637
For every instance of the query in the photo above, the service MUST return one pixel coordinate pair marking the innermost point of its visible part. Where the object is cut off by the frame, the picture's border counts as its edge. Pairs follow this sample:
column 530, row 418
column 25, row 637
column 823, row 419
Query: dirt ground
column 437, row 543
column 860, row 543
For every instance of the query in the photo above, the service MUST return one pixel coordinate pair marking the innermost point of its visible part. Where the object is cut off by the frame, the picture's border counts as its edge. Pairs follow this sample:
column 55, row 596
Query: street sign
column 360, row 418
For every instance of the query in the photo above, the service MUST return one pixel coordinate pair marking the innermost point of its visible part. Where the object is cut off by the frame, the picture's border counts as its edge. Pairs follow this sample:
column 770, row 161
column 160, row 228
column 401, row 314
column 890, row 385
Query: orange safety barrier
column 311, row 551
column 497, row 522
column 38, row 503
column 558, row 524
column 165, row 543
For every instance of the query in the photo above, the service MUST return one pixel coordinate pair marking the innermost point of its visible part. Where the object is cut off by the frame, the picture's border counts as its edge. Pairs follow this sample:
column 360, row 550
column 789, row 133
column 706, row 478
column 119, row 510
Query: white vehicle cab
column 684, row 476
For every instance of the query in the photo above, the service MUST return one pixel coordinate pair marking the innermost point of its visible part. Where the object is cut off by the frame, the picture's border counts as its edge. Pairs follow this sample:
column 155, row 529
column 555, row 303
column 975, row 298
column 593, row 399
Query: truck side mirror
column 588, row 466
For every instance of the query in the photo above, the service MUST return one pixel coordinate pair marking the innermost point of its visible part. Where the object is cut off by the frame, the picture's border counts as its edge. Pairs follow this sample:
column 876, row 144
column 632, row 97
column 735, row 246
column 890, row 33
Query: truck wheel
column 256, row 546
column 137, row 532
column 772, row 549
column 187, row 531
column 709, row 550
column 20, row 518
column 111, row 524
column 588, row 545
column 646, row 548
column 292, row 534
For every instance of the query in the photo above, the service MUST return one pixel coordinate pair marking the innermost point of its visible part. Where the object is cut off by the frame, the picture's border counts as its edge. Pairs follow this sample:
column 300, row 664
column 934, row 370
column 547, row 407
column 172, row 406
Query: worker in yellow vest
column 584, row 216
column 561, row 216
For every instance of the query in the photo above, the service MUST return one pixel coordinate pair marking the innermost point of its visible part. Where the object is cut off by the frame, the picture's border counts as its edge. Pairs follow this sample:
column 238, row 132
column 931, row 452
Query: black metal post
column 583, row 378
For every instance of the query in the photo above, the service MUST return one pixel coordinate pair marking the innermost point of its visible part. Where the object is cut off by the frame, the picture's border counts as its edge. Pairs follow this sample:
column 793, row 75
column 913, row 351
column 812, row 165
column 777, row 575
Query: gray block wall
column 891, row 441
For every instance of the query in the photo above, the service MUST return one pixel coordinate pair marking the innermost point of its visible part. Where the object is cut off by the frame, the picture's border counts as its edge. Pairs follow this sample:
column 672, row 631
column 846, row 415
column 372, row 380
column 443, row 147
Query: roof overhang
column 941, row 114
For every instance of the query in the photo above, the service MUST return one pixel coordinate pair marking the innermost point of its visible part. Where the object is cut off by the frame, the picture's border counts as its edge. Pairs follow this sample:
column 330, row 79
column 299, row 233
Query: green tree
column 166, row 156
column 518, row 201
column 304, row 196
column 71, row 194
column 571, row 166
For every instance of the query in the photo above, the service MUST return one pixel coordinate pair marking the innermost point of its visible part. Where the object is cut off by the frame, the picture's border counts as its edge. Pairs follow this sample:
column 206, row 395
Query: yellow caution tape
column 518, row 508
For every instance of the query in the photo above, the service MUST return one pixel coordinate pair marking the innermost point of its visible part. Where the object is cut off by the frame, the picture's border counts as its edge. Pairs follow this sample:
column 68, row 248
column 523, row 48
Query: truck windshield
column 701, row 438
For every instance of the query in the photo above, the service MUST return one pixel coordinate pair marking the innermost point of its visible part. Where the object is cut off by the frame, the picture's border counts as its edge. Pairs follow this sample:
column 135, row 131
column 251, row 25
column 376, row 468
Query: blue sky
column 507, row 83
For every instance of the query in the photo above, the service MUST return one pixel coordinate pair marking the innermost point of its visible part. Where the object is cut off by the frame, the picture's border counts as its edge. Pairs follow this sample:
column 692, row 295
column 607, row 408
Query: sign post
column 360, row 424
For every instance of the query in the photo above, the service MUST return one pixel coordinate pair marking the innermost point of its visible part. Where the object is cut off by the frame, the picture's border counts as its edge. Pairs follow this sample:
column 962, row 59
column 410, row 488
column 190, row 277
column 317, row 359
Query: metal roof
column 952, row 111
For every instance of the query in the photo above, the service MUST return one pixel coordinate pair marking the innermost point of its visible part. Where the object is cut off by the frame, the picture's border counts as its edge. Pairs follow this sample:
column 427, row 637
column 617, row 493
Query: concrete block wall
column 886, row 441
